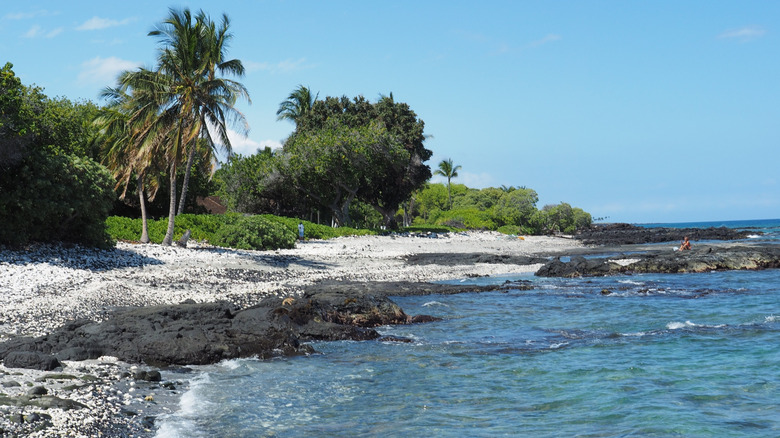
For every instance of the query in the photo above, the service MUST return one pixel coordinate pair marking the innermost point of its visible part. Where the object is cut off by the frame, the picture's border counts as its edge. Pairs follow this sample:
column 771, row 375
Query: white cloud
column 28, row 15
column 504, row 48
column 53, row 33
column 286, row 66
column 96, row 23
column 37, row 31
column 104, row 70
column 245, row 146
column 549, row 38
column 744, row 34
column 33, row 32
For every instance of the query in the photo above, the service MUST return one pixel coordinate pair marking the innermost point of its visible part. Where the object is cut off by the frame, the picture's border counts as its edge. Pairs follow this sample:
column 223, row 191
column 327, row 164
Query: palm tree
column 218, row 97
column 174, row 123
column 297, row 105
column 447, row 170
column 186, row 93
column 127, row 152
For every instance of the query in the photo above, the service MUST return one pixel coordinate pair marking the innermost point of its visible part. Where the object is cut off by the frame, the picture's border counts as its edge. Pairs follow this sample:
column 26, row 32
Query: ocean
column 689, row 355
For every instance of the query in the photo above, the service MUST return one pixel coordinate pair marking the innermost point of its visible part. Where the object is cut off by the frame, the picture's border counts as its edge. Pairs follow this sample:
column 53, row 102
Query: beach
column 45, row 286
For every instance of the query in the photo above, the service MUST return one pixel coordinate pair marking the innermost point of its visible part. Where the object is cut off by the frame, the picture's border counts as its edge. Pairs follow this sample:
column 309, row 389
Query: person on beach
column 300, row 231
column 686, row 244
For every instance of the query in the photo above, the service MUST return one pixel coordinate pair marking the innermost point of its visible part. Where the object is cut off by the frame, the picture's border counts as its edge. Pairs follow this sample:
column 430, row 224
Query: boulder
column 31, row 360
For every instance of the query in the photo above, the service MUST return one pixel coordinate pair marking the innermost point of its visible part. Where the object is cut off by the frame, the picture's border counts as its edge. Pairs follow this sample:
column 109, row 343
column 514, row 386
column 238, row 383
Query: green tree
column 401, row 174
column 241, row 181
column 331, row 165
column 516, row 207
column 16, row 119
column 449, row 171
column 185, row 93
column 47, row 194
column 298, row 105
column 390, row 169
column 431, row 199
column 127, row 152
column 484, row 199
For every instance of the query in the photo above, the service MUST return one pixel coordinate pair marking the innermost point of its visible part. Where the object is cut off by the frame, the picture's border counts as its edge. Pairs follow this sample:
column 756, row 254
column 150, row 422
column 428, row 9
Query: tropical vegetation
column 136, row 168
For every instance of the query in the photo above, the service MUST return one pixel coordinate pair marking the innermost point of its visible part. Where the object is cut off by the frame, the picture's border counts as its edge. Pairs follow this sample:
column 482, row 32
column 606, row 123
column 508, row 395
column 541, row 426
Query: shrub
column 254, row 232
column 472, row 219
column 510, row 229
column 51, row 196
column 123, row 228
column 316, row 231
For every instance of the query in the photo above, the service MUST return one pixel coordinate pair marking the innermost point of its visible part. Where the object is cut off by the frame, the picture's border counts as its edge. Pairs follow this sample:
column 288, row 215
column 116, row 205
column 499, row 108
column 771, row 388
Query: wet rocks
column 700, row 259
column 626, row 234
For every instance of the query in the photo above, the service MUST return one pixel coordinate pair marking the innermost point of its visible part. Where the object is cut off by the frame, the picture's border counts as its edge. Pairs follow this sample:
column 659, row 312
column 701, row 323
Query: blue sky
column 660, row 111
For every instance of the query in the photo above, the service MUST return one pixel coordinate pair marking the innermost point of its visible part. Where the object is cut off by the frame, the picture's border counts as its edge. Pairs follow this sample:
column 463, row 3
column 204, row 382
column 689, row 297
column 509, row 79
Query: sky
column 662, row 111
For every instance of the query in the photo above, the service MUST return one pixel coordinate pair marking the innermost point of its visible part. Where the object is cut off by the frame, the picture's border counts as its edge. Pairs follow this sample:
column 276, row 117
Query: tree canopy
column 345, row 149
column 50, row 189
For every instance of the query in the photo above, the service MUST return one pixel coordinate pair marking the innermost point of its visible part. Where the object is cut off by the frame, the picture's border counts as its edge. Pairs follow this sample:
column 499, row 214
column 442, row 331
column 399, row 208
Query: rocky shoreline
column 53, row 291
column 99, row 342
column 627, row 234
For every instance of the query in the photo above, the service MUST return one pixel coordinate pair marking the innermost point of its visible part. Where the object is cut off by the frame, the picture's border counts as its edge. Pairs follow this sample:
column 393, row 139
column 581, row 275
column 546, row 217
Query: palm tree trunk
column 144, row 219
column 168, row 240
column 449, row 192
column 186, row 182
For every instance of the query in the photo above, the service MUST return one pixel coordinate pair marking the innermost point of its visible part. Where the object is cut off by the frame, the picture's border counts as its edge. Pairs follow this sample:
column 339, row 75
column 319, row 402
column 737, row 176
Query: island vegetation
column 139, row 167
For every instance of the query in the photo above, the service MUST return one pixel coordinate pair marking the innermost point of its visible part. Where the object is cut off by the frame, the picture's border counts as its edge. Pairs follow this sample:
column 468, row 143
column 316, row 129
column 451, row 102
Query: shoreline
column 44, row 286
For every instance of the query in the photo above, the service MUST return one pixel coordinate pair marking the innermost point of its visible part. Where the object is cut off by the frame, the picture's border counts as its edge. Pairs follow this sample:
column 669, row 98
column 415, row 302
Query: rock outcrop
column 700, row 259
column 626, row 234
column 192, row 333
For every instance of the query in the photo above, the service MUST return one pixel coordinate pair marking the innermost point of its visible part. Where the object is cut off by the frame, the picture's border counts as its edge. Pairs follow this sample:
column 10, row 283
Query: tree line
column 151, row 149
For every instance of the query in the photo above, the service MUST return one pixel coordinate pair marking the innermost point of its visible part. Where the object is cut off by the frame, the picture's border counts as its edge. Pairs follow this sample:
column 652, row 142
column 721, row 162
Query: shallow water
column 693, row 355
column 663, row 355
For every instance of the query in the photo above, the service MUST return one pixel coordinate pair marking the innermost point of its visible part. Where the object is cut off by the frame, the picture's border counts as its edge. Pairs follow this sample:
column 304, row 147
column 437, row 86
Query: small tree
column 449, row 171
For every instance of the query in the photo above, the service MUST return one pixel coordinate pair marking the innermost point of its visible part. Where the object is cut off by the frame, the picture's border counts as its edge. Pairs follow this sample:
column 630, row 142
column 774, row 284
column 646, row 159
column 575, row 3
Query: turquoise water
column 693, row 355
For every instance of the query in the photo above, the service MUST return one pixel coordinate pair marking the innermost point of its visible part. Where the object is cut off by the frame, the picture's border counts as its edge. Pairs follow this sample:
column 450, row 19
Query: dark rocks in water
column 208, row 333
column 395, row 339
column 627, row 234
column 578, row 267
column 699, row 259
column 148, row 376
column 410, row 288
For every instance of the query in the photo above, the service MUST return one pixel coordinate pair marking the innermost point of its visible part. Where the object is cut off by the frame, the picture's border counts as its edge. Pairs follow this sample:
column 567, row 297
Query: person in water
column 686, row 244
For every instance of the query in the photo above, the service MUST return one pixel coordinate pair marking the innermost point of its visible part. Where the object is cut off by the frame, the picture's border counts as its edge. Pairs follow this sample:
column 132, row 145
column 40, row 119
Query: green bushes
column 233, row 230
column 254, row 232
column 510, row 229
column 467, row 218
column 316, row 231
column 51, row 196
